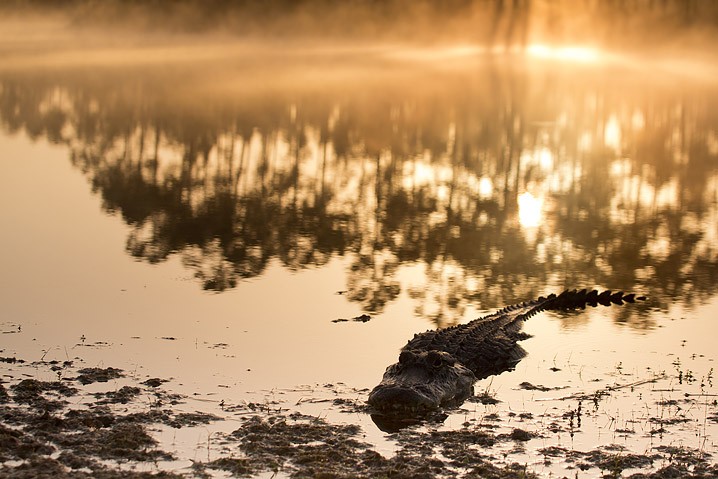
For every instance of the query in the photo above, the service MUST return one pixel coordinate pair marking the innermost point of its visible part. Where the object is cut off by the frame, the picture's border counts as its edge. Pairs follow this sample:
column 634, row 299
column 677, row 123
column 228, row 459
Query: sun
column 566, row 53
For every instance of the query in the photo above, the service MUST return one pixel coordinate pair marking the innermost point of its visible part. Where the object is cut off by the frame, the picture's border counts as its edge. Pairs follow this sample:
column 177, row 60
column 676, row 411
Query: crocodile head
column 421, row 382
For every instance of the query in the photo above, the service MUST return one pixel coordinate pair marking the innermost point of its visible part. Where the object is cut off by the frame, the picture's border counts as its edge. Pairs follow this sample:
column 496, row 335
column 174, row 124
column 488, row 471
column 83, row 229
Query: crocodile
column 438, row 368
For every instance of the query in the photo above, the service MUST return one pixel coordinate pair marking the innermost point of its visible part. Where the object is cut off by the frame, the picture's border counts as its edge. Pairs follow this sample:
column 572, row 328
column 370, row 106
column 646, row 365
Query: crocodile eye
column 435, row 359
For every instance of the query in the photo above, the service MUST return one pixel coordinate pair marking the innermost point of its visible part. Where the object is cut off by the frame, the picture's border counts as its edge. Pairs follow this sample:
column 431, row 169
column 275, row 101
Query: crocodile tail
column 574, row 299
column 505, row 324
column 570, row 300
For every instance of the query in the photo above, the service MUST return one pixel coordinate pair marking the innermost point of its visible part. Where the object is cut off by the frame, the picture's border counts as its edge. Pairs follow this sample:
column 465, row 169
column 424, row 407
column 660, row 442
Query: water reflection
column 498, row 186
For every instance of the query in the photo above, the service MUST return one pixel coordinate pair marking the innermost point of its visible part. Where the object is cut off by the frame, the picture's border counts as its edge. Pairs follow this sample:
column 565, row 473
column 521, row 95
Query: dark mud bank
column 63, row 429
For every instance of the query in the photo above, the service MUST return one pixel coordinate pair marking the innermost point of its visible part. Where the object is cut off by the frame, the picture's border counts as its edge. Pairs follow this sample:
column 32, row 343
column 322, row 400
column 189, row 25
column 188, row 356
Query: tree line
column 615, row 22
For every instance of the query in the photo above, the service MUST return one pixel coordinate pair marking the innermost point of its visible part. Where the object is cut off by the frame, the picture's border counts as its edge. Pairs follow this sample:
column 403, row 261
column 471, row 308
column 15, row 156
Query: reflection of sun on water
column 486, row 187
column 612, row 133
column 418, row 174
column 530, row 210
column 541, row 157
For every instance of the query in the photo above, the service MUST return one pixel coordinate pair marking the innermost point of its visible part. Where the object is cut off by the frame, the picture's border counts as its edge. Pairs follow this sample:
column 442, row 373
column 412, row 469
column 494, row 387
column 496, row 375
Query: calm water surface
column 207, row 222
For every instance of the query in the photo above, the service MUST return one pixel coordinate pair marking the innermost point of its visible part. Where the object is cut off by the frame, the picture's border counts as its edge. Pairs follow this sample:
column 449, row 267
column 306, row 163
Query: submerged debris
column 4, row 397
column 521, row 435
column 15, row 444
column 12, row 360
column 533, row 387
column 31, row 392
column 363, row 318
column 154, row 382
column 485, row 398
column 123, row 395
column 109, row 434
column 305, row 446
column 100, row 375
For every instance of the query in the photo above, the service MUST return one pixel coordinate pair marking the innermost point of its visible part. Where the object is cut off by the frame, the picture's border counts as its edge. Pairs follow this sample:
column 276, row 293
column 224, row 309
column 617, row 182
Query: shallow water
column 207, row 222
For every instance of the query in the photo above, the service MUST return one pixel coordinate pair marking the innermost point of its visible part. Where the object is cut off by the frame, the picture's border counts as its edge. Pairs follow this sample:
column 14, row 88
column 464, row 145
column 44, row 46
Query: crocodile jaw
column 415, row 390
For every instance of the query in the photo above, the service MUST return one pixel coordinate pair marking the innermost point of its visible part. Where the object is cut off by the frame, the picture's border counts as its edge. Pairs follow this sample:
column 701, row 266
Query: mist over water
column 197, row 192
column 497, row 22
column 679, row 27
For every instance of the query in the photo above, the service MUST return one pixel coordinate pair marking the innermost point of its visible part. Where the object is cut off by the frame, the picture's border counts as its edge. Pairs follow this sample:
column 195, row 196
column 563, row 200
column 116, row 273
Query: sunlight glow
column 530, row 210
column 418, row 174
column 577, row 54
column 638, row 120
column 621, row 168
column 486, row 187
column 585, row 142
column 541, row 157
column 433, row 54
column 612, row 133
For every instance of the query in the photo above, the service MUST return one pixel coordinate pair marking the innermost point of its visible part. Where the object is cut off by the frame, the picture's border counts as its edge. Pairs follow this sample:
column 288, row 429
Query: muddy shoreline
column 85, row 424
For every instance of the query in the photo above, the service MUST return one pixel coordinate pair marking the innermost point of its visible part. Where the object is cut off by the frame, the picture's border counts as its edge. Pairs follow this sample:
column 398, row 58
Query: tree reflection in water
column 492, row 188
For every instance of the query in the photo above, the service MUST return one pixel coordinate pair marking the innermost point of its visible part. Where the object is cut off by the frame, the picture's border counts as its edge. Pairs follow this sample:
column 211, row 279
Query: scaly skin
column 438, row 368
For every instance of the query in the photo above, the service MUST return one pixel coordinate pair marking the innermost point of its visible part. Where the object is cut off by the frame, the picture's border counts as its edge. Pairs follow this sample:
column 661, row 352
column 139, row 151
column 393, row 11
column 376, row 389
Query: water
column 207, row 220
